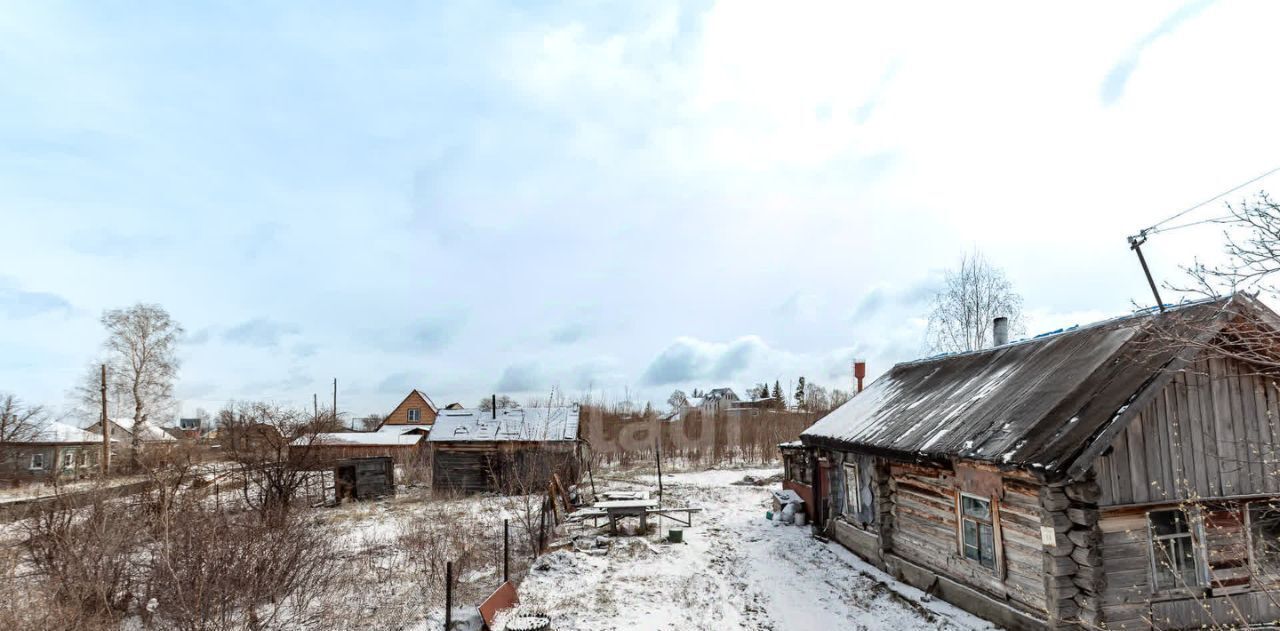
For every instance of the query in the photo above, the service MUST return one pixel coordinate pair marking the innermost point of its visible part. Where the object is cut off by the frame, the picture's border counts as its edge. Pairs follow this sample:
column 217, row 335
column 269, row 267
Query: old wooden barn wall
column 1128, row 601
column 925, row 532
column 479, row 466
column 1209, row 433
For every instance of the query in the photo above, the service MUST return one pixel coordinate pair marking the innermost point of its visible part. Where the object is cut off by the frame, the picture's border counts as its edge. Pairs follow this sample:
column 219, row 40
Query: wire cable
column 1210, row 200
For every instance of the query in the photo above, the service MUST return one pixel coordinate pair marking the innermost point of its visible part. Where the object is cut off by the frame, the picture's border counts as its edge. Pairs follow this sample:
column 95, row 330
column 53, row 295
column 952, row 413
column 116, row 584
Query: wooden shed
column 506, row 451
column 1106, row 476
column 403, row 445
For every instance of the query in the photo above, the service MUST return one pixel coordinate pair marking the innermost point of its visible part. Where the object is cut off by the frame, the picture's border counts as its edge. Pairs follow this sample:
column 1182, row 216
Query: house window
column 69, row 460
column 1173, row 555
column 1264, row 538
column 414, row 415
column 977, row 530
column 37, row 461
column 852, row 496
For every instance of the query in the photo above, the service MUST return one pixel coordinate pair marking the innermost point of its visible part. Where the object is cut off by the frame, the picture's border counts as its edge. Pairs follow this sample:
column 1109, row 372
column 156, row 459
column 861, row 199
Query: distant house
column 513, row 450
column 1106, row 476
column 404, row 446
column 58, row 450
column 718, row 400
column 122, row 433
column 416, row 409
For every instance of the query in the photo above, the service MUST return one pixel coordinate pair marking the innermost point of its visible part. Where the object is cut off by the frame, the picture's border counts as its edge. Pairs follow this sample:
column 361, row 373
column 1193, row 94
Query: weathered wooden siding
column 1209, row 433
column 476, row 466
column 1129, row 601
column 925, row 532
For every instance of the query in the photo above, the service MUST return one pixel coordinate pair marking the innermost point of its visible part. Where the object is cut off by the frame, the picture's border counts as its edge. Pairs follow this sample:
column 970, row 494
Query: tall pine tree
column 800, row 393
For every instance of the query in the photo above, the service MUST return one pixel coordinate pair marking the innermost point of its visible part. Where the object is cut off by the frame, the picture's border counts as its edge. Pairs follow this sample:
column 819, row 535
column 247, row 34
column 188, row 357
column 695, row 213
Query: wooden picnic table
column 618, row 509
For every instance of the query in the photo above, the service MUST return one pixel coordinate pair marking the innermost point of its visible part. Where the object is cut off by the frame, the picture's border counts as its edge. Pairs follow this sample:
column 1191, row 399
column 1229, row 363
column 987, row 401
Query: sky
column 480, row 197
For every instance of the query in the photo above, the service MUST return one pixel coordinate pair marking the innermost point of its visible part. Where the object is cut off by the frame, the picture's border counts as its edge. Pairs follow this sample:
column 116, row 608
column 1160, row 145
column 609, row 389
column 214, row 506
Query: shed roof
column 1035, row 404
column 538, row 424
column 370, row 439
column 61, row 433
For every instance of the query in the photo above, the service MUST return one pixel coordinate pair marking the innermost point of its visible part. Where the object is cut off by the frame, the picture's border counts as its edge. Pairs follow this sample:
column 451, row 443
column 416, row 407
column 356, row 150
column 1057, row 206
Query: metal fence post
column 506, row 550
column 448, row 595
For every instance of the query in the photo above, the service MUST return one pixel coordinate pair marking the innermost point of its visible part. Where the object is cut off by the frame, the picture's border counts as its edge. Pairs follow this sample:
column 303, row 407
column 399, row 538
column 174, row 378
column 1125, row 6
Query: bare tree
column 972, row 297
column 504, row 402
column 273, row 448
column 678, row 400
column 372, row 422
column 18, row 422
column 141, row 347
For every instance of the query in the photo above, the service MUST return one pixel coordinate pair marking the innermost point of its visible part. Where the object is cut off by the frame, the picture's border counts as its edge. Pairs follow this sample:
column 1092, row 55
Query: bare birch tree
column 142, row 362
column 972, row 297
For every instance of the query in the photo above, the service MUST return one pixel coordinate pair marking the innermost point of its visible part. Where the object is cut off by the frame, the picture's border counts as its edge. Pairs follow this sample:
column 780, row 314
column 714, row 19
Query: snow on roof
column 792, row 444
column 1017, row 404
column 381, row 439
column 149, row 431
column 430, row 403
column 55, row 432
column 519, row 424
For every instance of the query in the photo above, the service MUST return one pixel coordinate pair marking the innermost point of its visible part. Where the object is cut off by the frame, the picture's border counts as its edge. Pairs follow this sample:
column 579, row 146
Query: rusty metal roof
column 1033, row 404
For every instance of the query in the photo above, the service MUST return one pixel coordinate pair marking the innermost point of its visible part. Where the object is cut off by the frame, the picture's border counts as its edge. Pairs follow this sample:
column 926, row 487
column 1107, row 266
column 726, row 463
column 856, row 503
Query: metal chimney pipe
column 859, row 372
column 1000, row 331
column 493, row 406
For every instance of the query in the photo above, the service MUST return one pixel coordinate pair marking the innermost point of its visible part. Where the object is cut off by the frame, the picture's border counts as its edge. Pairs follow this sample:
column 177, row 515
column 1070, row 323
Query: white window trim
column 413, row 415
column 68, row 460
column 33, row 466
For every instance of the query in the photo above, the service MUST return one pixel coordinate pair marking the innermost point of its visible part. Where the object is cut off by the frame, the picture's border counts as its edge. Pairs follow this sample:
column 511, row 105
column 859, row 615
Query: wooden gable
column 426, row 411
column 1208, row 432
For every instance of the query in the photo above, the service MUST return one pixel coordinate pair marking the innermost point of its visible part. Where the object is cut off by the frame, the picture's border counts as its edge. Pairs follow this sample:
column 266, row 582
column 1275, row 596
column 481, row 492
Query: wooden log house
column 1109, row 476
column 515, row 450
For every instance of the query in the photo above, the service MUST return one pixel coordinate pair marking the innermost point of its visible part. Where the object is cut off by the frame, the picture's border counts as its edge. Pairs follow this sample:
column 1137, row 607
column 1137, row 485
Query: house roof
column 722, row 393
column 431, row 404
column 55, row 432
column 1035, row 404
column 537, row 424
column 150, row 431
column 380, row 439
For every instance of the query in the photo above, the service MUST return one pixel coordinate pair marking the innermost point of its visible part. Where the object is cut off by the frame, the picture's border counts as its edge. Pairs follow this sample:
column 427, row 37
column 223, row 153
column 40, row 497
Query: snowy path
column 735, row 571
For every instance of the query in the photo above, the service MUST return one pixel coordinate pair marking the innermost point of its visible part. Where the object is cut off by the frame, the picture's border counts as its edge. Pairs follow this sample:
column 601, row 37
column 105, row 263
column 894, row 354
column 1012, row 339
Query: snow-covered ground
column 735, row 570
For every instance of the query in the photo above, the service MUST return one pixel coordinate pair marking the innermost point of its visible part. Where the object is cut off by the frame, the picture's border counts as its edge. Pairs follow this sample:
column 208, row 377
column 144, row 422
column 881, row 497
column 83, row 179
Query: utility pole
column 1135, row 244
column 335, row 399
column 106, row 426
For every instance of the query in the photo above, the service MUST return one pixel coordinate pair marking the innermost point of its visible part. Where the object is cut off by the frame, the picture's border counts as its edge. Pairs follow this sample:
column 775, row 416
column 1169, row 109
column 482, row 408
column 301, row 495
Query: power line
column 1211, row 199
column 1221, row 219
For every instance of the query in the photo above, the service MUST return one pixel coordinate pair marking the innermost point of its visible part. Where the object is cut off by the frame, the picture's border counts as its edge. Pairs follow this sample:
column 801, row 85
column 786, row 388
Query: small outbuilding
column 513, row 450
column 403, row 445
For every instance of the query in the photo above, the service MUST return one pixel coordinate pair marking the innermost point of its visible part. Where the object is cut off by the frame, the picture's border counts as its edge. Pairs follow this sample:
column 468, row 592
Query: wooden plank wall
column 925, row 532
column 1128, row 600
column 1210, row 433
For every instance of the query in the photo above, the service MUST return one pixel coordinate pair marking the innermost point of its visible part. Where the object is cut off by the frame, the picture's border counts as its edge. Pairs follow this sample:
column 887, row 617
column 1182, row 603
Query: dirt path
column 735, row 571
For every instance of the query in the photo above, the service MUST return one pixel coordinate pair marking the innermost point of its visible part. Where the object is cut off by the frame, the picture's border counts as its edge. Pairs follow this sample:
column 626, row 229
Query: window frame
column 1195, row 535
column 32, row 465
column 852, row 490
column 993, row 521
column 1257, row 574
column 68, row 460
column 413, row 415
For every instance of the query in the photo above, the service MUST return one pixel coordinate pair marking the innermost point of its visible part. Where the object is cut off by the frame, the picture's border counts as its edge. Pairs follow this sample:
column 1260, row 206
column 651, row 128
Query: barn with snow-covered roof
column 1117, row 475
